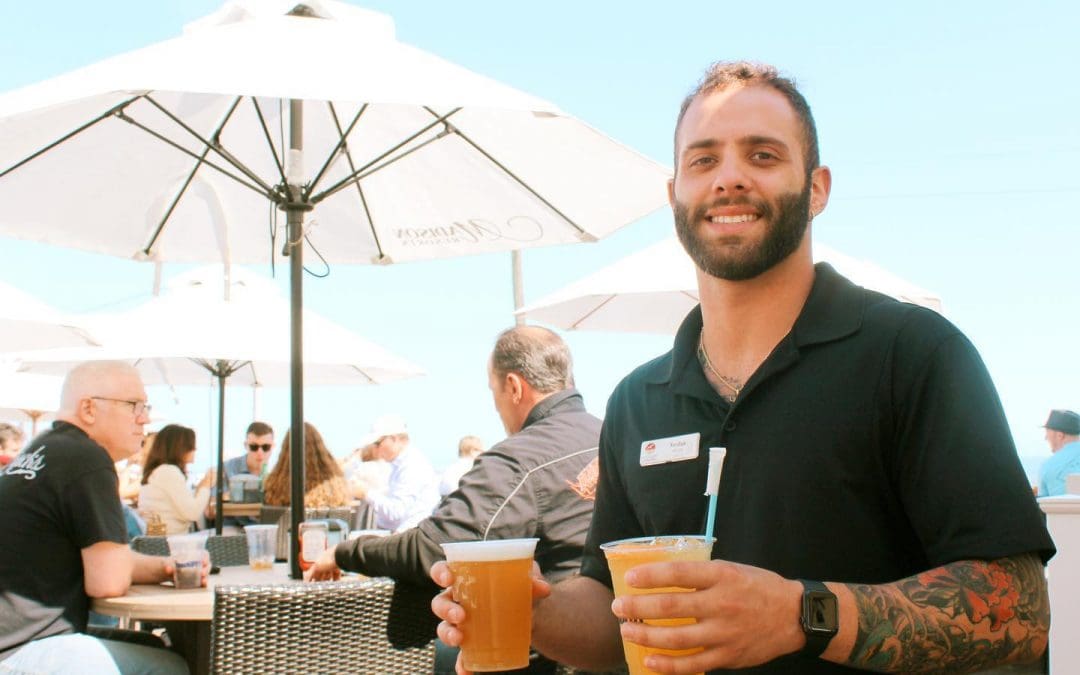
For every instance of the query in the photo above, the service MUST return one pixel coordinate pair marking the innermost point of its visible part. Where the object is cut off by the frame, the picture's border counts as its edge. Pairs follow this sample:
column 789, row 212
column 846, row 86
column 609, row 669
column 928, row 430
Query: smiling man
column 872, row 512
column 64, row 535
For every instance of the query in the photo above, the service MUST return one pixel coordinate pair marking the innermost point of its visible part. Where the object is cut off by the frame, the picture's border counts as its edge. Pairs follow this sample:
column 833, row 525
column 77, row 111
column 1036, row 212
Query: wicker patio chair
column 227, row 549
column 150, row 545
column 372, row 626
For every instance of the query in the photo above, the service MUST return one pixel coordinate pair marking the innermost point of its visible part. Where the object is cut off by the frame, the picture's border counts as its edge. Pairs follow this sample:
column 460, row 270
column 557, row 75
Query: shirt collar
column 547, row 407
column 833, row 310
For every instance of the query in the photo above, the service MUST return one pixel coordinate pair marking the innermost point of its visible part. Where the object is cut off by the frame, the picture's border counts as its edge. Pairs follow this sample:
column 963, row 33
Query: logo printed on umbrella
column 517, row 228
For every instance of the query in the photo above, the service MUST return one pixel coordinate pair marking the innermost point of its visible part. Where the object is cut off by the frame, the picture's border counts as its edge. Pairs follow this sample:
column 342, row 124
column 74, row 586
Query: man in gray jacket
column 538, row 482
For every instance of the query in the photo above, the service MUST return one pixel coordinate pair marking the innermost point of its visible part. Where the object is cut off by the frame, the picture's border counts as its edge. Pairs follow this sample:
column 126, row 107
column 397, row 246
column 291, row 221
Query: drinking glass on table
column 314, row 539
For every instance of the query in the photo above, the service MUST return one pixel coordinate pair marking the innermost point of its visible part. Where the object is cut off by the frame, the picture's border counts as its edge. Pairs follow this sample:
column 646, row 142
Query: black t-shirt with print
column 56, row 498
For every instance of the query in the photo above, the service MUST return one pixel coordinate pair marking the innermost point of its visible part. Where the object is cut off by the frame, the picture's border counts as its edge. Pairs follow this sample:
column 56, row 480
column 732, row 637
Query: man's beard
column 784, row 232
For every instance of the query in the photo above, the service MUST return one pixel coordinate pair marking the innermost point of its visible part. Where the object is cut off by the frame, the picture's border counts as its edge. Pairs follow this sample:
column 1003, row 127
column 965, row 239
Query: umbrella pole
column 294, row 210
column 519, row 285
column 219, row 511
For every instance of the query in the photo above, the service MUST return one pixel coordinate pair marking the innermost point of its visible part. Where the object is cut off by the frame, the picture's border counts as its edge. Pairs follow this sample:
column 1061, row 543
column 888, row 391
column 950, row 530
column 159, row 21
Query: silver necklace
column 704, row 358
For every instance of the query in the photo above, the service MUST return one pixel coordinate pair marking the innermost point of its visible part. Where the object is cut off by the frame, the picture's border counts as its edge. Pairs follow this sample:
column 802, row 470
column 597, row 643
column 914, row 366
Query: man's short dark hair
column 260, row 429
column 537, row 354
column 724, row 75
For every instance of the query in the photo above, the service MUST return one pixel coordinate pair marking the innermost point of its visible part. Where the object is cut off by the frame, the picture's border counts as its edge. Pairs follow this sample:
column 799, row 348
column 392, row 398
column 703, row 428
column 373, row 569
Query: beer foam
column 675, row 543
column 487, row 551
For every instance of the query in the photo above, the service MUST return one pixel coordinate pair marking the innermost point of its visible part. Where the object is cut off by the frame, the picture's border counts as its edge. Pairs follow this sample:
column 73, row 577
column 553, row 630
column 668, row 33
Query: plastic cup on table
column 187, row 552
column 626, row 553
column 492, row 582
column 262, row 545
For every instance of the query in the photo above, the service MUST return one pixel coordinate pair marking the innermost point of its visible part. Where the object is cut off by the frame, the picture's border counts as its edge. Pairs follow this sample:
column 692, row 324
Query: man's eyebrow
column 701, row 144
column 753, row 139
column 763, row 140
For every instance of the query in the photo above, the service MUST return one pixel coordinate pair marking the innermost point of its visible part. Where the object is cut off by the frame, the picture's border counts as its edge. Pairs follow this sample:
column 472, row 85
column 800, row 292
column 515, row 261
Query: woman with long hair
column 324, row 482
column 164, row 490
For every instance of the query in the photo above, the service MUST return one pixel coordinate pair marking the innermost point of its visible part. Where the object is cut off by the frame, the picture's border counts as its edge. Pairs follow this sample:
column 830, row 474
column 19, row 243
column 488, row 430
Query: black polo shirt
column 57, row 497
column 870, row 445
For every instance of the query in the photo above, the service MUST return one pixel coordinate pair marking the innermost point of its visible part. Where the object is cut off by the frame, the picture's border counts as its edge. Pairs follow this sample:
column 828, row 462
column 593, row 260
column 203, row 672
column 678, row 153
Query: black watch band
column 818, row 617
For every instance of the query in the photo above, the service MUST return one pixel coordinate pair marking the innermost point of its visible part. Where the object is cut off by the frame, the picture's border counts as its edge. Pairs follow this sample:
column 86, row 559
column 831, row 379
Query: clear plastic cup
column 492, row 582
column 626, row 553
column 187, row 552
column 262, row 545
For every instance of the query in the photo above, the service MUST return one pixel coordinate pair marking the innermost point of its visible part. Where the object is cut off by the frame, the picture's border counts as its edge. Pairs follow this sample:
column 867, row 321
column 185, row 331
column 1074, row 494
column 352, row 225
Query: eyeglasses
column 137, row 407
column 255, row 447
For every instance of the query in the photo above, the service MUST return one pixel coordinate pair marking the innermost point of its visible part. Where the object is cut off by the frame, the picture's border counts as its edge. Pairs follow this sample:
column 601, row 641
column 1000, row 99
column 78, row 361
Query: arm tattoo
column 958, row 618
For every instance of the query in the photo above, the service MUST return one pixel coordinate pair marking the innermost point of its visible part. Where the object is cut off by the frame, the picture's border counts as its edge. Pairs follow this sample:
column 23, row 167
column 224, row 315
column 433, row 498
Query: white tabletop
column 162, row 602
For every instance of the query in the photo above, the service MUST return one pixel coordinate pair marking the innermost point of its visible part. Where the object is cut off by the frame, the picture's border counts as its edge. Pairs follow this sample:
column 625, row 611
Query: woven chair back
column 376, row 626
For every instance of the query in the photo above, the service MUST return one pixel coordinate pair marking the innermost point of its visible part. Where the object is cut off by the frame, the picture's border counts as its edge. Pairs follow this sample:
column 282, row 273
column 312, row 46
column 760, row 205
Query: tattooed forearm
column 962, row 617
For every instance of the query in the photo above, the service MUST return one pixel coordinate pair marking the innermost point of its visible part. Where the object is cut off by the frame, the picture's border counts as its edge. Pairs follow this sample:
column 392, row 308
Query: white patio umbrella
column 29, row 323
column 651, row 291
column 28, row 397
column 191, row 334
column 179, row 151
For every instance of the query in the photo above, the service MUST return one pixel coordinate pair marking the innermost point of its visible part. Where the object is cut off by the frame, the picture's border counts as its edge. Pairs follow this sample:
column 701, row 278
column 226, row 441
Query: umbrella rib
column 452, row 129
column 108, row 113
column 576, row 325
column 215, row 145
column 370, row 379
column 269, row 140
column 341, row 145
column 359, row 189
column 189, row 153
column 360, row 173
column 220, row 367
column 191, row 176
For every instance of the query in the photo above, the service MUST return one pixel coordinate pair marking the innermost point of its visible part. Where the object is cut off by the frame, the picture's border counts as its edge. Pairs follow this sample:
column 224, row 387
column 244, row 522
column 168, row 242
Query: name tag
column 671, row 449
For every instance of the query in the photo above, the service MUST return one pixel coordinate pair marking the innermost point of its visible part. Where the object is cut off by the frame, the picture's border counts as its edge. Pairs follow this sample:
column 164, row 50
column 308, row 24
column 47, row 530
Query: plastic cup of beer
column 262, row 545
column 187, row 551
column 626, row 553
column 492, row 582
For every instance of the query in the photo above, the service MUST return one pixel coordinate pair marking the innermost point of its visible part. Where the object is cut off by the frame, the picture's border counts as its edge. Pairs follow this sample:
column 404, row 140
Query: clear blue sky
column 951, row 130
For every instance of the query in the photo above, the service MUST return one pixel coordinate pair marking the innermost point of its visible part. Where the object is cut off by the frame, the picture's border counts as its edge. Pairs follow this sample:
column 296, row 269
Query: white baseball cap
column 386, row 425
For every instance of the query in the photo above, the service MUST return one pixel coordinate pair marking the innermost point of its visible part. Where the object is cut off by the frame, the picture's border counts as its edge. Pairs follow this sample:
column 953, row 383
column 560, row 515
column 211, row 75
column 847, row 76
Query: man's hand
column 744, row 615
column 445, row 606
column 324, row 569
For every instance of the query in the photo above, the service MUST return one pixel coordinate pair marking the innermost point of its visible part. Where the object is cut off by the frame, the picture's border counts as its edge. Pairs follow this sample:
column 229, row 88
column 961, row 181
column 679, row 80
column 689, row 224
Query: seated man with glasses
column 258, row 444
column 64, row 535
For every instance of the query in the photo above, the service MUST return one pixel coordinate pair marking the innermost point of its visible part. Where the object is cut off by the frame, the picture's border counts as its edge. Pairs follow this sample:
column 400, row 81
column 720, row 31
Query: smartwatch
column 818, row 617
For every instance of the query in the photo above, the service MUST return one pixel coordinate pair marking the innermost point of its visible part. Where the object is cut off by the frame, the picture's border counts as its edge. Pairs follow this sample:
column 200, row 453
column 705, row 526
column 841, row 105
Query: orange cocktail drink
column 492, row 582
column 626, row 553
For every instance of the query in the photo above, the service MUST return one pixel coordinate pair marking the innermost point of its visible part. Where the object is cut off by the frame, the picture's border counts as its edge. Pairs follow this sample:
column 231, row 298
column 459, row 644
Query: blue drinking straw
column 712, row 486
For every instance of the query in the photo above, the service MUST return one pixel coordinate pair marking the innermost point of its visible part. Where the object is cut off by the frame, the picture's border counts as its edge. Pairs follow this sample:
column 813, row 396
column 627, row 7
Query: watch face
column 819, row 615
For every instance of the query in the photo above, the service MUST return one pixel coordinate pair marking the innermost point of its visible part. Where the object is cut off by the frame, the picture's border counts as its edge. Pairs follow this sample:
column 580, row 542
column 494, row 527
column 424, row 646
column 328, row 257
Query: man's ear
column 820, row 188
column 86, row 410
column 515, row 385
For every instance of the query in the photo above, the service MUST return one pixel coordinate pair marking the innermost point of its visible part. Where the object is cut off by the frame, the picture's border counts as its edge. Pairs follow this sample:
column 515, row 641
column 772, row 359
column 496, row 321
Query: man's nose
column 729, row 177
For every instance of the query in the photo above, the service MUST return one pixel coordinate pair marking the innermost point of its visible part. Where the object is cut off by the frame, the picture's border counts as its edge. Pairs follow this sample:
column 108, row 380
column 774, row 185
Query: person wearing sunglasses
column 258, row 444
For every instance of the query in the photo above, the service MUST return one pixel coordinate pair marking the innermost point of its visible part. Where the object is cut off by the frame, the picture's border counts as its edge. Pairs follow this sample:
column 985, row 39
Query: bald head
column 94, row 378
column 107, row 400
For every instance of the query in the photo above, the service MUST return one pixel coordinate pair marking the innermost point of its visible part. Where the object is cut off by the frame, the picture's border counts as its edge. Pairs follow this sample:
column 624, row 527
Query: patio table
column 239, row 509
column 186, row 613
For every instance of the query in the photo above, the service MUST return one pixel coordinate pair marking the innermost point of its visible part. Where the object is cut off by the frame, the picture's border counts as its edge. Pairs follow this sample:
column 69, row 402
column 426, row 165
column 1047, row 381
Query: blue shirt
column 411, row 495
column 1060, row 464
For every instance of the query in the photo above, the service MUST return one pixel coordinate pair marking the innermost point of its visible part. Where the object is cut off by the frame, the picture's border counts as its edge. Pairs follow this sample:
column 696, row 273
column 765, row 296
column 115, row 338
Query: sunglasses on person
column 255, row 447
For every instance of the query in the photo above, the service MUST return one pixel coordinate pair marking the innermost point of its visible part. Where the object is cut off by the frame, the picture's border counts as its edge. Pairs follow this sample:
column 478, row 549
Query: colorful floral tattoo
column 962, row 617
